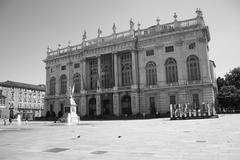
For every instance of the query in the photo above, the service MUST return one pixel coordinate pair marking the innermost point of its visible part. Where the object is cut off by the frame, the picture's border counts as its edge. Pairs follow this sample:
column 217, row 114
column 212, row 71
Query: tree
column 229, row 90
column 233, row 77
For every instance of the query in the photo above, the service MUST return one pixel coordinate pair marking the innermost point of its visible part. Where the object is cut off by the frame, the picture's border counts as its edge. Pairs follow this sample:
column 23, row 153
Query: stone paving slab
column 206, row 139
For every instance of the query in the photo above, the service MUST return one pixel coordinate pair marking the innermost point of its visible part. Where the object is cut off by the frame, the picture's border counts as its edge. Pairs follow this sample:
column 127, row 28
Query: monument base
column 73, row 118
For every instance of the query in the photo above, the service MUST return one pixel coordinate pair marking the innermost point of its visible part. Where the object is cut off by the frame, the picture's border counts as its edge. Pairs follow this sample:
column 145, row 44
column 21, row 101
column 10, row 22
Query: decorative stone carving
column 114, row 28
column 99, row 32
column 84, row 37
column 131, row 23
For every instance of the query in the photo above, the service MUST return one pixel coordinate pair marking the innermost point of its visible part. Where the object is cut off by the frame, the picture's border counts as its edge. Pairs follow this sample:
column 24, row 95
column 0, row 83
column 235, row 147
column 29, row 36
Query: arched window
column 151, row 73
column 63, row 84
column 52, row 87
column 171, row 70
column 77, row 83
column 193, row 68
column 126, row 69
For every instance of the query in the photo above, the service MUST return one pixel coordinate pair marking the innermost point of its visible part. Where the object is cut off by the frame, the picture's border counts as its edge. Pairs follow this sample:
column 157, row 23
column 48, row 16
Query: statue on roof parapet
column 158, row 20
column 131, row 23
column 114, row 28
column 99, row 32
column 84, row 37
column 199, row 12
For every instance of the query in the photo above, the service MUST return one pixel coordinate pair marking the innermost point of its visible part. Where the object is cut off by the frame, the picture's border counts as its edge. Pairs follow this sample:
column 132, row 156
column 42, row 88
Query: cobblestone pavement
column 206, row 139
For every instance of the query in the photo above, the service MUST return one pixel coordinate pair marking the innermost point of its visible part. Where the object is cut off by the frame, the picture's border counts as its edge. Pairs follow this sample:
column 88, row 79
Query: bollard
column 185, row 110
column 214, row 111
column 194, row 112
column 171, row 111
column 68, row 119
column 189, row 111
column 180, row 110
column 209, row 110
column 19, row 119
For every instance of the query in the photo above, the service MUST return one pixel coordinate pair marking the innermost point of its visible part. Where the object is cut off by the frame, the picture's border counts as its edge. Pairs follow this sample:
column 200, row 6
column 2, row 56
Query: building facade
column 21, row 98
column 135, row 71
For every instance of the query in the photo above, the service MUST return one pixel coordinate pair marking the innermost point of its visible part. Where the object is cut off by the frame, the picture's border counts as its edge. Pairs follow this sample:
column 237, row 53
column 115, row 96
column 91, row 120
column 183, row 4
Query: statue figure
column 158, row 20
column 69, row 43
column 59, row 46
column 71, row 91
column 131, row 24
column 84, row 37
column 114, row 28
column 99, row 32
column 175, row 16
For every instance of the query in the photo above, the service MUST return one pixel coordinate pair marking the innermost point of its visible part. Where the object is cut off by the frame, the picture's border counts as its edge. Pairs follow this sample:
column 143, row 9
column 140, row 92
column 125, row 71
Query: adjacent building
column 134, row 71
column 26, row 99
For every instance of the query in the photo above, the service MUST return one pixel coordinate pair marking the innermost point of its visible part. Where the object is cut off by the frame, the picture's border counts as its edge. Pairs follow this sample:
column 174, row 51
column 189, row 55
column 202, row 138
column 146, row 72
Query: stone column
column 116, row 109
column 135, row 102
column 115, row 70
column 99, row 73
column 98, row 104
column 83, row 75
column 134, row 72
column 83, row 103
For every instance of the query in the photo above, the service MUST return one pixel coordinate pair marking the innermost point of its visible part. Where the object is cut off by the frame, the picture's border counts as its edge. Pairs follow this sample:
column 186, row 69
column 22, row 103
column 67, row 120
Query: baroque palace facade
column 21, row 98
column 135, row 71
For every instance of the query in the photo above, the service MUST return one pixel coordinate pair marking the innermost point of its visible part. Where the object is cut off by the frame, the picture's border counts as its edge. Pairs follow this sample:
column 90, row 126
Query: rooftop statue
column 114, row 28
column 99, row 32
column 131, row 23
column 84, row 37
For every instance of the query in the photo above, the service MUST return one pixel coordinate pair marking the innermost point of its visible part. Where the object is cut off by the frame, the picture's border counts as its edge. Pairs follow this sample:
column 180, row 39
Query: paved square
column 160, row 139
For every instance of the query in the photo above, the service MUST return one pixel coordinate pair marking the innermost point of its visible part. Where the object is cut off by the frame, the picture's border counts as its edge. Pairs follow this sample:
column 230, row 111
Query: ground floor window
column 92, row 106
column 152, row 105
column 172, row 99
column 195, row 97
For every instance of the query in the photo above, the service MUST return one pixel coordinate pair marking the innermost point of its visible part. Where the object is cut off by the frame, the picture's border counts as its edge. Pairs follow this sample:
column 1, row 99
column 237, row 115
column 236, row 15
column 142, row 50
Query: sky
column 28, row 27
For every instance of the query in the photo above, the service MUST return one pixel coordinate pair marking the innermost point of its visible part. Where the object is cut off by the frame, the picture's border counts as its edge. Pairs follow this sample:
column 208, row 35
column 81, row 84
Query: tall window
column 171, row 70
column 151, row 73
column 93, row 68
column 193, row 68
column 63, row 84
column 106, row 71
column 77, row 83
column 126, row 69
column 52, row 86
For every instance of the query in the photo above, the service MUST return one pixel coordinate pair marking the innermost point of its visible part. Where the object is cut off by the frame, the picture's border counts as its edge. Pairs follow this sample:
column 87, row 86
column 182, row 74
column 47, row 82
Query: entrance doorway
column 92, row 106
column 106, row 107
column 126, row 105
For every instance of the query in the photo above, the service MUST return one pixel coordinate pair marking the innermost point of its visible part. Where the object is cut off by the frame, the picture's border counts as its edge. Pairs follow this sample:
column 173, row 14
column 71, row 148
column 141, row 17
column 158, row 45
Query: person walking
column 10, row 120
column 4, row 121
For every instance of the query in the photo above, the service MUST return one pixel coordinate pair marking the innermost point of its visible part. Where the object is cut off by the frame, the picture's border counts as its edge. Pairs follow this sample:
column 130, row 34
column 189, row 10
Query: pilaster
column 115, row 70
column 116, row 109
column 98, row 104
column 134, row 71
column 83, row 107
column 135, row 102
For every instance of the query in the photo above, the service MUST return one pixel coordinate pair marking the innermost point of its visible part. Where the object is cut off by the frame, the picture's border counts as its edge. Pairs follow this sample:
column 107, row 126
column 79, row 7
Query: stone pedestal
column 19, row 119
column 72, row 117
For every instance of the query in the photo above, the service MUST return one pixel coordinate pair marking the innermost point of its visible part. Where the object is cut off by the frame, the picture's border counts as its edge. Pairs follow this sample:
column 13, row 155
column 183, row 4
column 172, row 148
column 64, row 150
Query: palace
column 21, row 98
column 135, row 71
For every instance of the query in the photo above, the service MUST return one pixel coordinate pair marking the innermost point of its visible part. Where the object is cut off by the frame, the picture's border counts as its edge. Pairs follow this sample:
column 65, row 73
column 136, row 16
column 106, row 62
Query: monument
column 72, row 117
